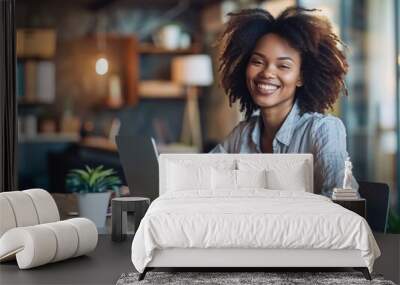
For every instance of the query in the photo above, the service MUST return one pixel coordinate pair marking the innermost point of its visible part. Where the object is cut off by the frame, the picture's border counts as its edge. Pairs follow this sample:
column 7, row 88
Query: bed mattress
column 250, row 219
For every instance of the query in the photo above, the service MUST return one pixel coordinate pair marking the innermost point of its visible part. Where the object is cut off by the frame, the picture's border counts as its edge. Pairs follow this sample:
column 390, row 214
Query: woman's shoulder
column 324, row 123
column 319, row 120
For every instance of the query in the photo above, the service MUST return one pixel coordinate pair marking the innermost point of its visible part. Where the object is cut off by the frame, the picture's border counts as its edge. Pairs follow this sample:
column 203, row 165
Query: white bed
column 199, row 224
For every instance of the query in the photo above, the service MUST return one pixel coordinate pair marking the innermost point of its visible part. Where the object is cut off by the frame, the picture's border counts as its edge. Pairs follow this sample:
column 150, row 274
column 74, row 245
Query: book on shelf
column 30, row 82
column 45, row 88
column 20, row 79
column 36, row 81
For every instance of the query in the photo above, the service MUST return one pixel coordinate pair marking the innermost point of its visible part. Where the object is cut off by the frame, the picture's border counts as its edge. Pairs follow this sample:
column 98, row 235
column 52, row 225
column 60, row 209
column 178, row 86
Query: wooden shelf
column 34, row 58
column 146, row 48
column 105, row 144
column 161, row 97
column 35, row 106
column 23, row 103
column 160, row 89
column 49, row 138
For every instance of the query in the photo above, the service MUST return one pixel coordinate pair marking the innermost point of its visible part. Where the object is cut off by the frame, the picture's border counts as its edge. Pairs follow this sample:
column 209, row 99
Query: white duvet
column 250, row 219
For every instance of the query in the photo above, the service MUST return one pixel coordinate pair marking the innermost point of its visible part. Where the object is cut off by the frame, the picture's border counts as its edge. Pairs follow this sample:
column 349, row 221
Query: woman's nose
column 268, row 72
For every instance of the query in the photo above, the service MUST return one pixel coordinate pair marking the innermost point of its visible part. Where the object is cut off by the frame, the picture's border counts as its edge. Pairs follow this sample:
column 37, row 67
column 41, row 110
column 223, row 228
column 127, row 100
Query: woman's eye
column 256, row 62
column 285, row 66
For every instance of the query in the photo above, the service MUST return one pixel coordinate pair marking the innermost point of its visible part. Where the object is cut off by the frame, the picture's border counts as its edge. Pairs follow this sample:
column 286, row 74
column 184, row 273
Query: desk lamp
column 192, row 71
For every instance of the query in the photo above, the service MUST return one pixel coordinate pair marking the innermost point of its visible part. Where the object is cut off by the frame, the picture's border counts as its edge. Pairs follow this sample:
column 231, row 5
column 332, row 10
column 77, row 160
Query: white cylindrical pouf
column 45, row 205
column 40, row 244
column 34, row 246
column 23, row 207
column 67, row 239
column 40, row 247
column 87, row 235
column 7, row 218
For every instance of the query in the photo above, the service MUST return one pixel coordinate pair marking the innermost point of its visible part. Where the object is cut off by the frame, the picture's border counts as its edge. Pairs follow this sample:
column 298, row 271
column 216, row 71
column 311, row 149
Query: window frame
column 8, row 100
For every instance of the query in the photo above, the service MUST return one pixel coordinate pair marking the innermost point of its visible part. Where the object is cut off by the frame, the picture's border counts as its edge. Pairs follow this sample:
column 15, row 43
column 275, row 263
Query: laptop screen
column 139, row 158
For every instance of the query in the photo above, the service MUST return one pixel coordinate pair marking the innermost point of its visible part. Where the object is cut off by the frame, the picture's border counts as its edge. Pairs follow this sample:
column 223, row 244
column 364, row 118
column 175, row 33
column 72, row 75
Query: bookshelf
column 125, row 56
column 82, row 53
column 36, row 78
column 49, row 138
column 35, row 65
column 157, row 84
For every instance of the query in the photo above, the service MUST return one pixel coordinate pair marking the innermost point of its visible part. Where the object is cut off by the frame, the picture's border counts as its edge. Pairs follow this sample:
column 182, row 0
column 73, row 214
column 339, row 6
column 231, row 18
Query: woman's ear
column 299, row 82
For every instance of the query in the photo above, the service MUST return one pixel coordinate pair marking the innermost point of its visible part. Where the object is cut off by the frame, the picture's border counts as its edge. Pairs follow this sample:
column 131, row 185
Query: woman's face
column 273, row 72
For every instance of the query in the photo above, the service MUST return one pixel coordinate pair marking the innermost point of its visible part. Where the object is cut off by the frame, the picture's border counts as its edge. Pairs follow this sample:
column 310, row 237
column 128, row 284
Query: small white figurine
column 348, row 174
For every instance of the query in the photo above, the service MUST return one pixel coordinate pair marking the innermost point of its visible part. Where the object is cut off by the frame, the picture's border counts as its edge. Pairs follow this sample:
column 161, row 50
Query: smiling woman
column 291, row 69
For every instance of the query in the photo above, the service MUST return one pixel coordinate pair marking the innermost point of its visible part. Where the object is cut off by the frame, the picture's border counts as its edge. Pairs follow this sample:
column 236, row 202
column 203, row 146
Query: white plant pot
column 94, row 207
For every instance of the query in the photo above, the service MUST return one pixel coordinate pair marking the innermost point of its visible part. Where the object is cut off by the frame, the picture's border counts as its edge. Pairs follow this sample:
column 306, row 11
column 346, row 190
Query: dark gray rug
column 230, row 278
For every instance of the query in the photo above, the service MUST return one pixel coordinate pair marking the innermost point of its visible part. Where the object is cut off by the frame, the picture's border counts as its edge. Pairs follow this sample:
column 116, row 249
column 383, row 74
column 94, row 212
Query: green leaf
column 83, row 174
column 95, row 179
column 88, row 169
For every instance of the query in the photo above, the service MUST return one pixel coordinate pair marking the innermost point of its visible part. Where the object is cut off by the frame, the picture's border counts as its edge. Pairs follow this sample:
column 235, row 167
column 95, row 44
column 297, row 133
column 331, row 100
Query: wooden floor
column 111, row 259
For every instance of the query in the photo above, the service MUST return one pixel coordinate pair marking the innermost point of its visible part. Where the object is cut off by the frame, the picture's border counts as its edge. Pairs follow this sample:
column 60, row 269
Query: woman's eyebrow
column 279, row 58
column 259, row 54
column 285, row 58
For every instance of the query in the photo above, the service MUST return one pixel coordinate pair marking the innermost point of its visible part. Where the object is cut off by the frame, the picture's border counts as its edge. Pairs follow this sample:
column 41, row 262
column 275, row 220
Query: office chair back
column 377, row 196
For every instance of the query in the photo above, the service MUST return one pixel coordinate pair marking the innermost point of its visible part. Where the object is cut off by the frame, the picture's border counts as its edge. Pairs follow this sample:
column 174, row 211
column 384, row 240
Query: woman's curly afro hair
column 323, row 64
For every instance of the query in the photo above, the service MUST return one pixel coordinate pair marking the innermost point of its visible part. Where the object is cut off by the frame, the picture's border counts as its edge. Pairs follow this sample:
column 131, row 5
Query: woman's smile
column 266, row 88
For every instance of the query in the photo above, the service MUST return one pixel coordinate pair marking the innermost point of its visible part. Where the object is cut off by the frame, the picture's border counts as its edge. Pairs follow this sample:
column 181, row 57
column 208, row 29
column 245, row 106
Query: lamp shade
column 195, row 70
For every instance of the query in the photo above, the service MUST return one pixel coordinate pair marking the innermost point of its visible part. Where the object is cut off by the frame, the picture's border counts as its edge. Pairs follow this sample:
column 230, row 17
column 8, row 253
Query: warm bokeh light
column 101, row 66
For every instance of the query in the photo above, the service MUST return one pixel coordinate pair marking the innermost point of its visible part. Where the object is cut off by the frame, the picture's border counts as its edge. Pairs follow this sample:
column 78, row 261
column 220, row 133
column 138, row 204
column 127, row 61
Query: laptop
column 139, row 159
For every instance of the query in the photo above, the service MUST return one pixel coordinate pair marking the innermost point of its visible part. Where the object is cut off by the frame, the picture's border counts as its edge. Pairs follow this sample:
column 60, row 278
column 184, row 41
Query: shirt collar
column 285, row 132
column 256, row 133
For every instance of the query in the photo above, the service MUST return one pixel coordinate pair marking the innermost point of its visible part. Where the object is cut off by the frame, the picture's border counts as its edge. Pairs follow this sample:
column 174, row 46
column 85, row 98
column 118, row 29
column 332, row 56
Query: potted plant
column 93, row 187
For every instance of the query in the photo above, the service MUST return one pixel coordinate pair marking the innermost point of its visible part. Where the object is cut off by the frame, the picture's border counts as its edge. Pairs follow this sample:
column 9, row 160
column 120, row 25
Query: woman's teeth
column 267, row 87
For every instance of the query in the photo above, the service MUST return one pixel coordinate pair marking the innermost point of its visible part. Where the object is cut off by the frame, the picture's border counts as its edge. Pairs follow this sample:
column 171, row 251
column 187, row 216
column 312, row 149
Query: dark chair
column 377, row 196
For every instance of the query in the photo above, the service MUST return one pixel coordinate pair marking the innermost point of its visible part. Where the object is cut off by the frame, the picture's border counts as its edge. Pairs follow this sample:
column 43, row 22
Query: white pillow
column 281, row 174
column 182, row 177
column 235, row 179
column 223, row 179
column 251, row 178
column 293, row 179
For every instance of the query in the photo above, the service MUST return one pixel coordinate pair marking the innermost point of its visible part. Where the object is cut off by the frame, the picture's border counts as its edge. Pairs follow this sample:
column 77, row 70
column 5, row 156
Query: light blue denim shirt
column 324, row 136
